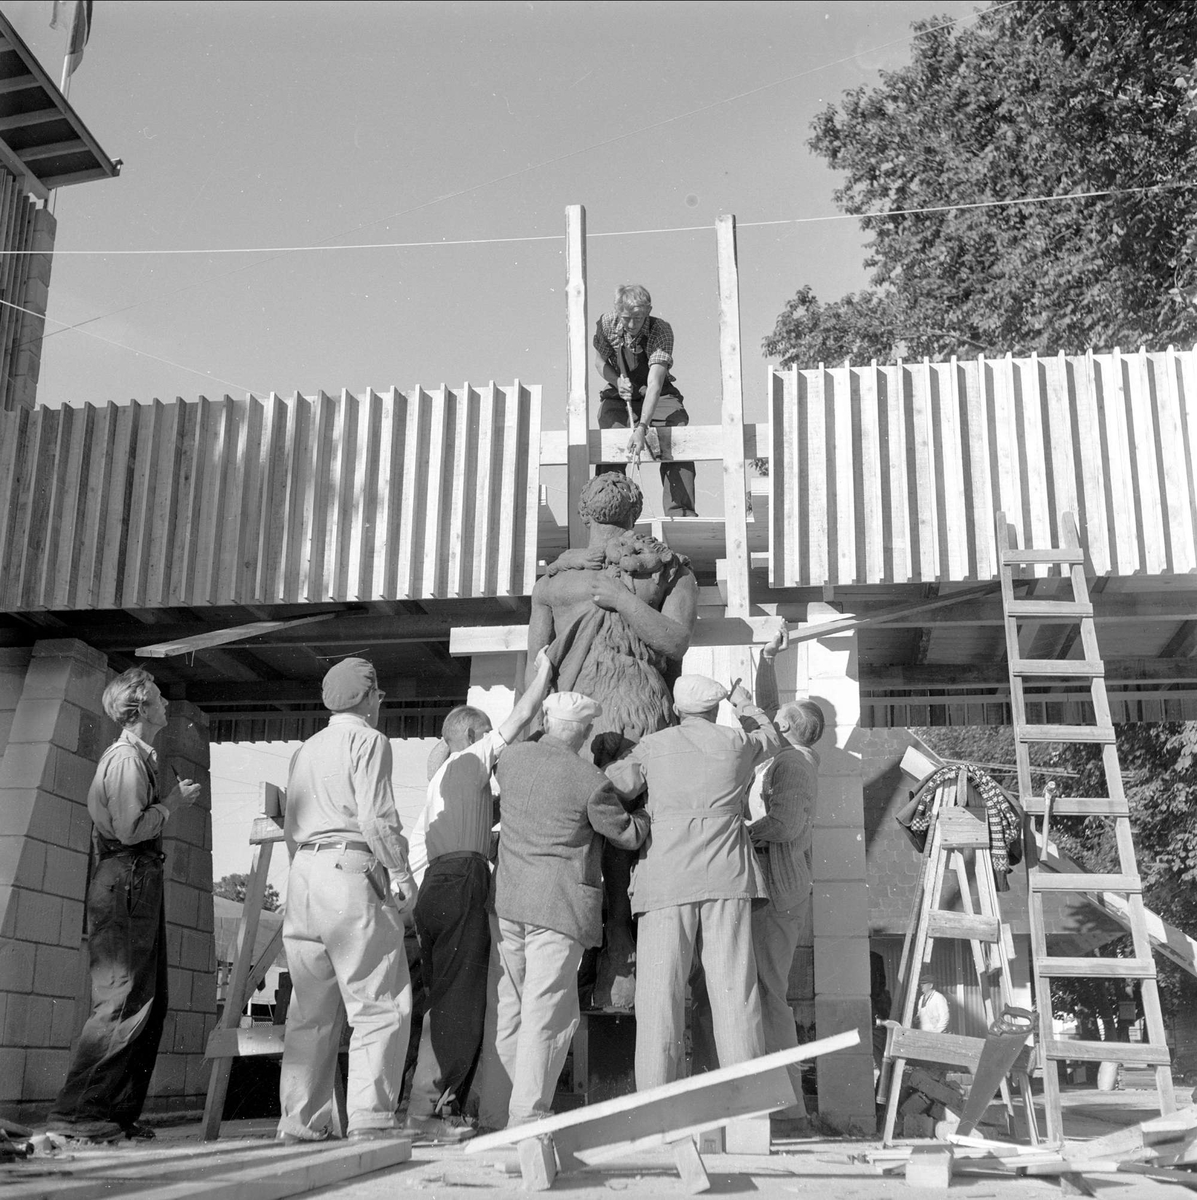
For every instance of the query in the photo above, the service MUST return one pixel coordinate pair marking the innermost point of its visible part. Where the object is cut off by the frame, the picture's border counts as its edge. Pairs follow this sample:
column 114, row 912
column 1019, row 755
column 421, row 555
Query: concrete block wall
column 55, row 733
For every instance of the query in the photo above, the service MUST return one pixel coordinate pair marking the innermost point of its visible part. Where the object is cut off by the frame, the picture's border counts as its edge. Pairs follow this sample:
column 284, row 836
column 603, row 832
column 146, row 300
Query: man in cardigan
column 698, row 873
column 557, row 809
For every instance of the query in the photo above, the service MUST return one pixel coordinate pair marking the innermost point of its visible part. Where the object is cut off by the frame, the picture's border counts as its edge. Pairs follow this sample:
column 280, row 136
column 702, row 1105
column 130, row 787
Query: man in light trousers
column 557, row 808
column 698, row 872
column 348, row 886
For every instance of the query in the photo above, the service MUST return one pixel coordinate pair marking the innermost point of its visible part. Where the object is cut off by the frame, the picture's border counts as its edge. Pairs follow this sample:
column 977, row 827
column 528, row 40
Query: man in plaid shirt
column 635, row 352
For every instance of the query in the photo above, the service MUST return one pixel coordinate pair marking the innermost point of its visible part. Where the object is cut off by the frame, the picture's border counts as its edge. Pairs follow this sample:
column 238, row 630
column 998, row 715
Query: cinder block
column 189, row 1033
column 182, row 905
column 96, row 732
column 22, row 862
column 841, row 909
column 840, row 802
column 66, row 873
column 170, row 1076
column 14, row 662
column 51, row 815
column 12, row 1073
column 62, row 1025
column 80, row 834
column 40, row 1021
column 39, row 918
column 45, row 1069
column 198, row 951
column 10, row 903
column 73, row 775
column 195, row 1075
column 178, row 870
column 841, row 966
column 6, row 717
column 16, row 1020
column 16, row 965
column 837, row 854
column 203, row 995
column 179, row 983
column 846, row 1092
column 47, row 720
column 838, row 1014
column 56, row 971
column 205, row 920
column 27, row 764
column 71, row 931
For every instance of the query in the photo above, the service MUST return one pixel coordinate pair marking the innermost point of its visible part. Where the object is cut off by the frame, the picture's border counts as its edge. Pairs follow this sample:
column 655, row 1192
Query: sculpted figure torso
column 619, row 615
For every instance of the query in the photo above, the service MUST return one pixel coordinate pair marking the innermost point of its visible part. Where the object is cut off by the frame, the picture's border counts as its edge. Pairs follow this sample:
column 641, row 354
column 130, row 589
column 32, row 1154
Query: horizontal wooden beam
column 40, row 116
column 223, row 637
column 703, row 443
column 963, row 677
column 214, row 695
column 51, row 150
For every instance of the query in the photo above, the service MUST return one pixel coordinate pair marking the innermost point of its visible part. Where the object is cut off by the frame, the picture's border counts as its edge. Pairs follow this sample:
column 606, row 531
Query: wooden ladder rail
column 1041, row 878
column 955, row 831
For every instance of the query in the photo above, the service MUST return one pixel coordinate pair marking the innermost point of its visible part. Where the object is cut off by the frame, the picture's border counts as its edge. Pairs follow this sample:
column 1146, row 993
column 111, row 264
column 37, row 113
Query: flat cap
column 572, row 706
column 697, row 693
column 348, row 683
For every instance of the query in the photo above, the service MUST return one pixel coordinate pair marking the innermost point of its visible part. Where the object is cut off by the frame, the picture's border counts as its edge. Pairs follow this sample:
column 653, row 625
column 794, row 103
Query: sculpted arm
column 540, row 629
column 668, row 630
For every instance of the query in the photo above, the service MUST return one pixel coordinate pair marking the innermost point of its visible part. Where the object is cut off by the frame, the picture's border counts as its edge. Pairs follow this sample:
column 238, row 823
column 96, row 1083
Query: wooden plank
column 293, row 467
column 689, row 1165
column 1127, row 553
column 870, row 565
column 956, row 511
column 1035, row 489
column 508, row 473
column 942, row 924
column 818, row 458
column 898, row 534
column 465, row 469
column 1098, row 538
column 919, row 1045
column 735, row 481
column 336, row 528
column 923, row 492
column 670, row 1107
column 843, row 473
column 528, row 549
column 702, row 443
column 224, row 637
column 1175, row 479
column 1068, row 733
column 1096, row 968
column 1057, row 668
column 142, row 500
column 52, row 590
column 1144, row 436
column 1051, row 881
column 1138, row 1053
column 1077, row 806
column 538, row 1163
column 1156, row 1132
column 386, row 516
column 1060, row 610
column 1064, row 466
column 577, row 382
column 975, row 460
column 164, row 514
column 238, row 512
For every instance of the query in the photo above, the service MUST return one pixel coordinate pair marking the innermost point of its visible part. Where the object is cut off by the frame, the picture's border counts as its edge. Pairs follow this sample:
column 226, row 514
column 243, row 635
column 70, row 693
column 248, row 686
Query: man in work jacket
column 635, row 352
column 557, row 808
column 698, row 872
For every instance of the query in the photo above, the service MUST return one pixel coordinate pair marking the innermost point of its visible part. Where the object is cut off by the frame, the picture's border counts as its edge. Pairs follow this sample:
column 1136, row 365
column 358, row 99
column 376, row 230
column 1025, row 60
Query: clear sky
column 263, row 125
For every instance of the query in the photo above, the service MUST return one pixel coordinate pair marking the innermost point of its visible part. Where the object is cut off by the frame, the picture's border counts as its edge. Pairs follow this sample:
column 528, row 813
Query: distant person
column 348, row 887
column 635, row 352
column 451, row 916
column 931, row 1010
column 557, row 809
column 110, row 1070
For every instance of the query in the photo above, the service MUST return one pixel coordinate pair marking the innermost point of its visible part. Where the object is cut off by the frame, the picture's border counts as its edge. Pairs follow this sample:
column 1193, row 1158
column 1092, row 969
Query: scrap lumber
column 661, row 1115
column 929, row 1167
column 1173, row 1136
column 690, row 1166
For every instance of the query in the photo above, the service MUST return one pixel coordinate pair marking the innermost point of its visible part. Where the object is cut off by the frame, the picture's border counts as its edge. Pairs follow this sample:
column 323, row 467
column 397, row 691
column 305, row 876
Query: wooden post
column 735, row 483
column 577, row 413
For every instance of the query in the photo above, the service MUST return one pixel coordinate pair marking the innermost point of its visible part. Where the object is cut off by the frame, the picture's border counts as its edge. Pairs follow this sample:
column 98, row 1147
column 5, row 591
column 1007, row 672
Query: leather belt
column 316, row 847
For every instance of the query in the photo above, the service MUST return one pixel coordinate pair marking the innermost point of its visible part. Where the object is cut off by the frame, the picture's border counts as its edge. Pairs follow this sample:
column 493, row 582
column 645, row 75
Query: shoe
column 374, row 1135
column 295, row 1139
column 86, row 1133
column 449, row 1128
column 137, row 1132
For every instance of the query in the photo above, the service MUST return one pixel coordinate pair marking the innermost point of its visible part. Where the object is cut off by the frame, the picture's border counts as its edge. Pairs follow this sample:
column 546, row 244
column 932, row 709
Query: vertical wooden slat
column 339, row 508
column 735, row 479
column 577, row 381
column 285, row 576
column 465, row 447
column 819, row 496
column 142, row 479
column 531, row 468
column 430, row 582
column 112, row 532
column 1144, row 443
column 390, row 420
column 956, row 507
column 233, row 533
column 17, row 518
column 10, row 194
column 1058, row 432
column 47, row 488
column 897, row 396
column 486, row 497
column 1037, row 500
column 317, row 456
column 843, row 566
column 368, row 501
column 73, row 466
column 925, row 472
column 162, row 515
column 414, row 495
column 1005, row 432
column 95, row 466
column 1123, row 499
column 781, row 506
column 243, row 572
column 976, row 454
column 1097, row 532
column 505, row 558
column 872, row 568
column 214, row 509
column 1177, row 464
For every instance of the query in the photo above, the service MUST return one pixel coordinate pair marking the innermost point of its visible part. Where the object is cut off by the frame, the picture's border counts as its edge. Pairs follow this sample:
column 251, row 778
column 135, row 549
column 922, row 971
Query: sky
column 262, row 127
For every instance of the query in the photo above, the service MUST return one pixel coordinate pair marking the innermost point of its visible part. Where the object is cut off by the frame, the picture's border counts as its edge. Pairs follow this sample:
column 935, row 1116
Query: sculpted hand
column 184, row 794
column 543, row 663
column 607, row 593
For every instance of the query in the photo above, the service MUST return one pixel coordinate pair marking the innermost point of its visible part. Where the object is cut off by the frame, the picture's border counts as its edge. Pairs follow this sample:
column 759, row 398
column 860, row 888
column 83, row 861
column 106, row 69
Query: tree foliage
column 232, row 887
column 1036, row 98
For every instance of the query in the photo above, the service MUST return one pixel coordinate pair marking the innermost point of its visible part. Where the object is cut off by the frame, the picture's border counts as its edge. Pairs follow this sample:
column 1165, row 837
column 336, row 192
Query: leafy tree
column 232, row 887
column 1037, row 98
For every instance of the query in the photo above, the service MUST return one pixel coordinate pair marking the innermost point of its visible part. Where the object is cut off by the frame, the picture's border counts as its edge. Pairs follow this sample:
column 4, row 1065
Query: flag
column 80, row 30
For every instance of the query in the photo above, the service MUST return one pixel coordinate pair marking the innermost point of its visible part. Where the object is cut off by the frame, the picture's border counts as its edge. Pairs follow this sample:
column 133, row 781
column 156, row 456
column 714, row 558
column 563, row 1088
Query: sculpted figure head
column 611, row 499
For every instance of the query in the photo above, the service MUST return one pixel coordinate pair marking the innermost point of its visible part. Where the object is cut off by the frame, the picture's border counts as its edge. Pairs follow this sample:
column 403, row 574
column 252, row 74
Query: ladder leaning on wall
column 1047, row 874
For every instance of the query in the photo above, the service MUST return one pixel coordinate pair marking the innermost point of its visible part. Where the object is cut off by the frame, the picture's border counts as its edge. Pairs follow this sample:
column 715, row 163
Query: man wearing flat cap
column 697, row 873
column 347, row 890
column 547, row 908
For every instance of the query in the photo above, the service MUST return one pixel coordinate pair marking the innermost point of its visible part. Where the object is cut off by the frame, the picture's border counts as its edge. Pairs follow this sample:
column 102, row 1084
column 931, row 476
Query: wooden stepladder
column 228, row 1040
column 1046, row 873
column 958, row 839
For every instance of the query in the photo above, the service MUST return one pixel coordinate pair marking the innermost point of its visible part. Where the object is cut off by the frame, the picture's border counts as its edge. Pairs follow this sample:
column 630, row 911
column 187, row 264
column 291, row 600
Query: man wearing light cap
column 547, row 909
column 347, row 890
column 931, row 1010
column 697, row 873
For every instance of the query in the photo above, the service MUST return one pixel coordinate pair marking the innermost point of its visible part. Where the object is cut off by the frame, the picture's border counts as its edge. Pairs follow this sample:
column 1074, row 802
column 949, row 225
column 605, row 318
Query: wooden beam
column 222, row 637
column 52, row 150
column 25, row 176
column 735, row 484
column 40, row 116
column 701, row 443
column 577, row 413
column 963, row 677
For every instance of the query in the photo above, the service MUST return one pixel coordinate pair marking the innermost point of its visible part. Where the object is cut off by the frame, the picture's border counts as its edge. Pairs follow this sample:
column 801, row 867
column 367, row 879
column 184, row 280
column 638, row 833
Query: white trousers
column 664, row 952
column 345, row 953
column 532, row 1014
column 775, row 934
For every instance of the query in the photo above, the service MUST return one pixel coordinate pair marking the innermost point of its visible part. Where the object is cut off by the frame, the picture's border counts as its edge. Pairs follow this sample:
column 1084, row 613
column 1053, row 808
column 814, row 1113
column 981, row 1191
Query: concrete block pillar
column 181, row 1075
column 55, row 738
column 496, row 681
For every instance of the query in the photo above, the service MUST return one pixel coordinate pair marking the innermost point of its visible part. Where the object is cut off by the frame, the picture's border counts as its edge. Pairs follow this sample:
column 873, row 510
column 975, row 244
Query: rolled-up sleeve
column 609, row 817
column 376, row 812
column 659, row 344
column 602, row 344
column 125, row 782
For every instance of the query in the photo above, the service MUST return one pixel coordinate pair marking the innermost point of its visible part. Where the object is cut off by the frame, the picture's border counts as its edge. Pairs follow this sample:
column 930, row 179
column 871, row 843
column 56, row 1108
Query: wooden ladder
column 958, row 838
column 1044, row 875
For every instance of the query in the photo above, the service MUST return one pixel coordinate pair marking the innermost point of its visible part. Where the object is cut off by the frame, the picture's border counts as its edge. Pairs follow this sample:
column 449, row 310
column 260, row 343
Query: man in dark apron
column 635, row 351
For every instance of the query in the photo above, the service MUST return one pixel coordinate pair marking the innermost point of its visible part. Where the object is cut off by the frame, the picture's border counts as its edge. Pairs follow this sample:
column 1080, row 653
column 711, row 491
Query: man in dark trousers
column 557, row 808
column 110, row 1070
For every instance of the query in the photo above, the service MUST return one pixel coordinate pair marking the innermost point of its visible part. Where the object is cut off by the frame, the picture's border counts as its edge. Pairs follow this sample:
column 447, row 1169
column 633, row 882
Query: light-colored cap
column 348, row 683
column 697, row 693
column 572, row 706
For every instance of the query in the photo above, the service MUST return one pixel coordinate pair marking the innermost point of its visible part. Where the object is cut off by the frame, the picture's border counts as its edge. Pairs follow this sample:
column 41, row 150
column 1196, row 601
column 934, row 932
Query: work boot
column 449, row 1128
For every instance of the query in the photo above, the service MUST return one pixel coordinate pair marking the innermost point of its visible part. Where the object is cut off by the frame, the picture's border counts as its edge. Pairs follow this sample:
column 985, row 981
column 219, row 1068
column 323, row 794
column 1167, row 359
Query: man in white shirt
column 451, row 916
column 931, row 1009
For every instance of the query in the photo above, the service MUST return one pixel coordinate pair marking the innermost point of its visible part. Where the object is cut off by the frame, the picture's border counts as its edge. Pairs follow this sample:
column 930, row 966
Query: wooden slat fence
column 402, row 495
column 893, row 474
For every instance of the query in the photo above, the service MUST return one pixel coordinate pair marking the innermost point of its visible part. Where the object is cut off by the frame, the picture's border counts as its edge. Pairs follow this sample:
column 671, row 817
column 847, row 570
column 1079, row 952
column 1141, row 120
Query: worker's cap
column 348, row 683
column 927, row 977
column 697, row 693
column 572, row 706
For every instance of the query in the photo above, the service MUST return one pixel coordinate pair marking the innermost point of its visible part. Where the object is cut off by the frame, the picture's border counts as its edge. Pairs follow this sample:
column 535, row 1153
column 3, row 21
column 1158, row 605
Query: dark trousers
column 114, row 1059
column 677, row 496
column 454, row 933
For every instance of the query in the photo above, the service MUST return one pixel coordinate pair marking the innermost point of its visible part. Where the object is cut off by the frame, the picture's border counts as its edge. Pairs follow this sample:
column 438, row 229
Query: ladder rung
column 1058, row 610
column 1039, row 880
column 1058, row 554
column 1141, row 1053
column 1078, row 806
column 1064, row 733
column 1096, row 968
column 973, row 926
column 1057, row 668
